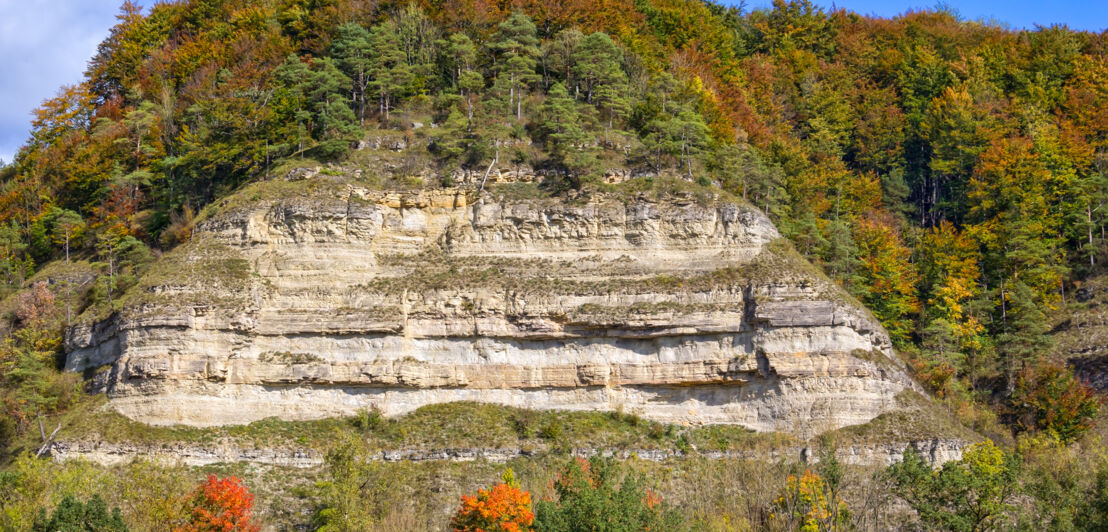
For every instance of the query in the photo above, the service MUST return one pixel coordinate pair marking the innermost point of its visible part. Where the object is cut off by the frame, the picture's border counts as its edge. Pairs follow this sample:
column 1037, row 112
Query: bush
column 220, row 505
column 596, row 496
column 367, row 419
column 966, row 495
column 504, row 508
column 808, row 504
column 72, row 515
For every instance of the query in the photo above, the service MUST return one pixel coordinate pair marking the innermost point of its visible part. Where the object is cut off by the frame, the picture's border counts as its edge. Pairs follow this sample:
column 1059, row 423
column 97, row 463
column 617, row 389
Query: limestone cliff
column 331, row 297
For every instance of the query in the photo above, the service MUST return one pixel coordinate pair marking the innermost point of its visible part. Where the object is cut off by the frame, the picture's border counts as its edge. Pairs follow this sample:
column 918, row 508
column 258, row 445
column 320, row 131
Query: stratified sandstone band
column 677, row 309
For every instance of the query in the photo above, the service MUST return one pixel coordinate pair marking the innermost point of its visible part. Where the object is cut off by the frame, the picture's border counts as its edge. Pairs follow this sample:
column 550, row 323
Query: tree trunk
column 1089, row 221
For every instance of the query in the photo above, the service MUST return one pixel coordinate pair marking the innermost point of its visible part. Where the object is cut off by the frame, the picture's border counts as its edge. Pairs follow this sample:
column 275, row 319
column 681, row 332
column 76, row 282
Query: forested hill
column 951, row 174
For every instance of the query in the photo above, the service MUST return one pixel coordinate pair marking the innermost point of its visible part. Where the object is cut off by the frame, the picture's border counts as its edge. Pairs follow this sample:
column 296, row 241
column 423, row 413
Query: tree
column 461, row 54
column 968, row 495
column 503, row 508
column 517, row 46
column 678, row 132
column 1023, row 340
column 334, row 121
column 314, row 98
column 353, row 53
column 566, row 140
column 596, row 66
column 597, row 496
column 957, row 136
column 220, row 505
column 807, row 504
column 68, row 226
column 72, row 515
column 388, row 68
column 888, row 276
column 744, row 172
column 350, row 500
column 295, row 80
column 1049, row 398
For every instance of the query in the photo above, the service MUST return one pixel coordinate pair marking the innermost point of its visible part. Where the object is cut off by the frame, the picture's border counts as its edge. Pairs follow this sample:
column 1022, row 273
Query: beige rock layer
column 322, row 305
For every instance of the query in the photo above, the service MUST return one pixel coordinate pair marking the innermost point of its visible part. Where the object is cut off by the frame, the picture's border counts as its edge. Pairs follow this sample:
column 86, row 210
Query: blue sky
column 45, row 44
column 1091, row 15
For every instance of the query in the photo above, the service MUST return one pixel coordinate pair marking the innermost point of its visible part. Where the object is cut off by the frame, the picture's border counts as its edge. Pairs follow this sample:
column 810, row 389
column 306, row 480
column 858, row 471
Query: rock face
column 936, row 452
column 325, row 303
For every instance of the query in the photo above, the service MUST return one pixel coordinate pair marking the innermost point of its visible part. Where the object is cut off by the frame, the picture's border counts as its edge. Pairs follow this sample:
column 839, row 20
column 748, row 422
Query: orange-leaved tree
column 222, row 505
column 504, row 508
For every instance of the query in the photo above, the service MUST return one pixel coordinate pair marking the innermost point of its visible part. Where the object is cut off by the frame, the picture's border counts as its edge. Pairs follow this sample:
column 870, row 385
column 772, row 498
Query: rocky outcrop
column 1080, row 332
column 935, row 451
column 677, row 308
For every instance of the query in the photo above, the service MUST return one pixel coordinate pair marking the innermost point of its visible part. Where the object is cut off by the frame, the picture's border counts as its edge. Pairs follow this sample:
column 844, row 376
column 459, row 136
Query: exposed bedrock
column 324, row 304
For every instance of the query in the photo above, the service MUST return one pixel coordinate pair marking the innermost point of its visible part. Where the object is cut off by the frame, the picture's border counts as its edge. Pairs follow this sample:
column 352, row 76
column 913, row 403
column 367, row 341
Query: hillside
column 373, row 251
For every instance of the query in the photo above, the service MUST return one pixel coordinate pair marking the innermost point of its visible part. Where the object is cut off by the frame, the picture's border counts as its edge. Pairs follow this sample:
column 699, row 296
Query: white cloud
column 44, row 44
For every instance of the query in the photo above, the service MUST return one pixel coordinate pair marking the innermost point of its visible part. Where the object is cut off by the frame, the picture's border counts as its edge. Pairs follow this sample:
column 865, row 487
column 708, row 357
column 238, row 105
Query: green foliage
column 72, row 515
column 351, row 496
column 970, row 494
column 597, row 495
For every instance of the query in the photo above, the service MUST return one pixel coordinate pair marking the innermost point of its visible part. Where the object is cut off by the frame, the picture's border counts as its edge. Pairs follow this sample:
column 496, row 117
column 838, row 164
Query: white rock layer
column 313, row 307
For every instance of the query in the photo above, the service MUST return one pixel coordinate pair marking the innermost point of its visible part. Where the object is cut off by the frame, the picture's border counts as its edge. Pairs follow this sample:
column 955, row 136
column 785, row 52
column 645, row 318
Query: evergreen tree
column 353, row 53
column 1023, row 340
column 72, row 515
column 679, row 133
column 291, row 101
column 461, row 58
column 596, row 66
column 517, row 45
column 334, row 121
column 558, row 58
column 566, row 141
column 388, row 69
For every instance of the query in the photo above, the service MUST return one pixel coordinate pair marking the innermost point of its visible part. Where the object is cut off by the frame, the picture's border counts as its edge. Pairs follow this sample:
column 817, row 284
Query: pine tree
column 596, row 66
column 566, row 140
column 679, row 133
column 334, row 121
column 461, row 55
column 518, row 47
column 72, row 515
column 295, row 78
column 1023, row 340
column 388, row 67
column 351, row 49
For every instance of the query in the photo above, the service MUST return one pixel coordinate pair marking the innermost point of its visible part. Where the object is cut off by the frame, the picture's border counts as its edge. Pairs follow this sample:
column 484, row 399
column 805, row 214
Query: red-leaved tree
column 220, row 505
column 504, row 508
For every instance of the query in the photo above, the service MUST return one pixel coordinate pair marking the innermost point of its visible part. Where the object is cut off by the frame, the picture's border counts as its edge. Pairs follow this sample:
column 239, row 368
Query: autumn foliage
column 1050, row 399
column 220, row 505
column 806, row 504
column 503, row 508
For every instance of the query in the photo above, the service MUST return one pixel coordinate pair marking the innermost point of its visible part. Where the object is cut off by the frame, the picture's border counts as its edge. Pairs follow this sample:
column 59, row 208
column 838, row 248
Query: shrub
column 504, row 508
column 220, row 505
column 596, row 496
column 965, row 495
column 72, row 515
column 808, row 504
column 367, row 419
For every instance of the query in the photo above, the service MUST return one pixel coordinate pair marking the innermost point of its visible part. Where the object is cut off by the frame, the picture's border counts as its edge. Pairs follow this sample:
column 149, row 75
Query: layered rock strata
column 680, row 309
column 936, row 451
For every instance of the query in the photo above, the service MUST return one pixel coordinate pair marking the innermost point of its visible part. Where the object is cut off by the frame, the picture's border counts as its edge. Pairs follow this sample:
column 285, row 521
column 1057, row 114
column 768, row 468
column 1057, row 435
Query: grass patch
column 456, row 425
column 289, row 359
column 919, row 419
